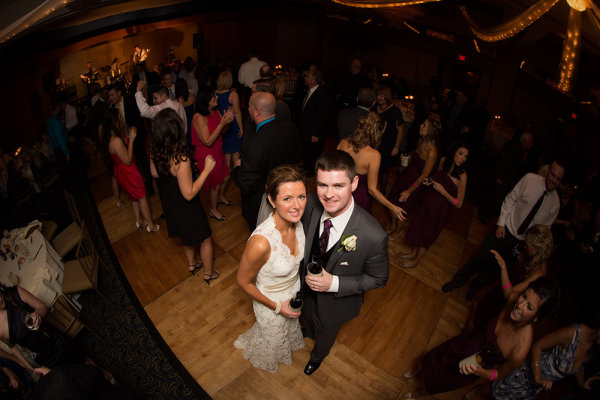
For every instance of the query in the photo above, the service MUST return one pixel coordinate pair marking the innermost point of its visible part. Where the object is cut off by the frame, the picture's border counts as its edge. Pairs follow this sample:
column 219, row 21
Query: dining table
column 30, row 261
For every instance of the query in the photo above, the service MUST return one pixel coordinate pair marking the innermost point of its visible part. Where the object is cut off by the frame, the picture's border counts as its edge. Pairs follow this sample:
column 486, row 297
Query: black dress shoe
column 311, row 367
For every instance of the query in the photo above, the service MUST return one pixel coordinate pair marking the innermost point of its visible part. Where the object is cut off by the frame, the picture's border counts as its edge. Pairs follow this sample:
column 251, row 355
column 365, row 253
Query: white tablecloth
column 42, row 270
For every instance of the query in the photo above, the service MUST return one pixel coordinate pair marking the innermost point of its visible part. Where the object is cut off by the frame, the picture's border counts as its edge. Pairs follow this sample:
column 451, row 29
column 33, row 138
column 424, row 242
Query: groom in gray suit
column 350, row 245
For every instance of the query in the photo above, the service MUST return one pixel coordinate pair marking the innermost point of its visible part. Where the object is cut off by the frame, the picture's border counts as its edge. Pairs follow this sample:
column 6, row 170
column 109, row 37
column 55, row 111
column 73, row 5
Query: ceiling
column 78, row 19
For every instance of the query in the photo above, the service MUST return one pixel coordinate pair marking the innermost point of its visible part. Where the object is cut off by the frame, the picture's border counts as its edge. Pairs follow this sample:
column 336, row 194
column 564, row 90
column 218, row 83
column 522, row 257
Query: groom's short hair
column 336, row 160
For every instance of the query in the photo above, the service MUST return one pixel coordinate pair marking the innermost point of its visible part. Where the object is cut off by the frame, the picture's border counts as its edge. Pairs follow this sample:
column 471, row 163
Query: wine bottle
column 315, row 268
column 296, row 302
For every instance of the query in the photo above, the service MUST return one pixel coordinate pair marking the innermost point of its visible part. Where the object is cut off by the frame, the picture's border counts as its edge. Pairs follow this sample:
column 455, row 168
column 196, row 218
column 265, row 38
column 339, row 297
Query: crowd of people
column 190, row 128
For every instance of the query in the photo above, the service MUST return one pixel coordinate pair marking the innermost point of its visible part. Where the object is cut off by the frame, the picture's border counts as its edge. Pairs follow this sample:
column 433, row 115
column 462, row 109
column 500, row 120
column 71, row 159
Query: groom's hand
column 319, row 283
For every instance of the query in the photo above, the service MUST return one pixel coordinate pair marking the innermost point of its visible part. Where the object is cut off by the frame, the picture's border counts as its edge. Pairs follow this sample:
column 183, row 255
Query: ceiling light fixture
column 570, row 54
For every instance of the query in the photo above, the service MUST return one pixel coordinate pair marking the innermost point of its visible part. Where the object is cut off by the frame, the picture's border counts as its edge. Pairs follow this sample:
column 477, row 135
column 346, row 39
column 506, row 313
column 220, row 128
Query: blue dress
column 555, row 364
column 232, row 143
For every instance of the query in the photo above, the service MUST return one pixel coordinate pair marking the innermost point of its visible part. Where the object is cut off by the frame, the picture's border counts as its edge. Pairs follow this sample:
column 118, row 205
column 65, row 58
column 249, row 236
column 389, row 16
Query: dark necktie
column 324, row 238
column 531, row 214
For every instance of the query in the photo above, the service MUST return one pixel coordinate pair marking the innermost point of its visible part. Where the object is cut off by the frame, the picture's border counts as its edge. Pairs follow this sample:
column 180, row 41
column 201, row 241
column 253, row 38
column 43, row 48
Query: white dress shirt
column 521, row 200
column 338, row 224
column 310, row 92
column 250, row 71
column 147, row 111
column 71, row 119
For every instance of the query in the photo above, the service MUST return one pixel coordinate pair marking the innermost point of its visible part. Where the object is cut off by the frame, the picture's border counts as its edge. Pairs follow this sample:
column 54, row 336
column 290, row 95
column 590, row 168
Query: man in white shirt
column 532, row 201
column 250, row 70
column 351, row 247
column 161, row 101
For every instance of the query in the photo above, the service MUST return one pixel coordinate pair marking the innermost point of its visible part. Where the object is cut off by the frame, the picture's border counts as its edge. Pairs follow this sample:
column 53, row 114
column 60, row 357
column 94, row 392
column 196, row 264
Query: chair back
column 87, row 255
column 64, row 317
column 72, row 207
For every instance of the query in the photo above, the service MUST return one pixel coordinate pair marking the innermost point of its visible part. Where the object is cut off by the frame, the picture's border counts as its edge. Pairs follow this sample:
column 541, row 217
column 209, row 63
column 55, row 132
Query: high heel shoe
column 141, row 224
column 193, row 267
column 215, row 217
column 211, row 277
column 153, row 228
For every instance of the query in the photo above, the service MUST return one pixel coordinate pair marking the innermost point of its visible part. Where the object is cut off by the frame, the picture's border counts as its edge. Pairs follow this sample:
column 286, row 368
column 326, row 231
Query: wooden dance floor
column 397, row 324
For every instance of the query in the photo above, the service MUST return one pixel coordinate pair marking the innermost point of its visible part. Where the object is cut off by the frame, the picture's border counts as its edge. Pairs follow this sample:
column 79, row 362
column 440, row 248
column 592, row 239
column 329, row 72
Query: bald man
column 274, row 142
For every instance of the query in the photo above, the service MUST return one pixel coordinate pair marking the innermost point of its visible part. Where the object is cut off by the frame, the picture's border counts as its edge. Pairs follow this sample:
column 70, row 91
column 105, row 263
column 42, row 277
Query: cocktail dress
column 220, row 171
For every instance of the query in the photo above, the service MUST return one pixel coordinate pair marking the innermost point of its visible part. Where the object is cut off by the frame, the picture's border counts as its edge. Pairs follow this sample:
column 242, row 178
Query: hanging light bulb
column 579, row 5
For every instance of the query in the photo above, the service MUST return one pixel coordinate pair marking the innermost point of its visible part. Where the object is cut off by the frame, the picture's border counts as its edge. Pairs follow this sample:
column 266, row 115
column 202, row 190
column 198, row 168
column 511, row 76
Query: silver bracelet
column 278, row 308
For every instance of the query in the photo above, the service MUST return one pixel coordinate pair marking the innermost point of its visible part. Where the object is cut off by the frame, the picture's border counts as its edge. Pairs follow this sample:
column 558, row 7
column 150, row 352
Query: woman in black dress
column 172, row 164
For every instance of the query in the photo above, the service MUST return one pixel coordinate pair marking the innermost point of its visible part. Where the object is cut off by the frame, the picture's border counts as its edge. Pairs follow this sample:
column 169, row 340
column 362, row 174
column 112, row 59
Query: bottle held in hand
column 296, row 302
column 314, row 268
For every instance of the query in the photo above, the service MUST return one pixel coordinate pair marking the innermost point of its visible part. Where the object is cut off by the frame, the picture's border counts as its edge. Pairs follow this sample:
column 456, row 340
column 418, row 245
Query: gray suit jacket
column 365, row 268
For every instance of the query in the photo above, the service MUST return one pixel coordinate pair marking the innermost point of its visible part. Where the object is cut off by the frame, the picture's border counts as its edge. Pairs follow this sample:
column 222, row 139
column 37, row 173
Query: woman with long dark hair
column 446, row 189
column 207, row 128
column 422, row 164
column 172, row 164
column 503, row 344
column 120, row 148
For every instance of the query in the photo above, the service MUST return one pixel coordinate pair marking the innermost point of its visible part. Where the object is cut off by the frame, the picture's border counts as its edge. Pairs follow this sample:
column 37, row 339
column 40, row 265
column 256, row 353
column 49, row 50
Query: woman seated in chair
column 21, row 322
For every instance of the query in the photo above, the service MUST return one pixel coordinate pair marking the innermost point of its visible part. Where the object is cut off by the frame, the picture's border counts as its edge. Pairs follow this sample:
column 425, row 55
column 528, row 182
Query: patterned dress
column 273, row 337
column 555, row 365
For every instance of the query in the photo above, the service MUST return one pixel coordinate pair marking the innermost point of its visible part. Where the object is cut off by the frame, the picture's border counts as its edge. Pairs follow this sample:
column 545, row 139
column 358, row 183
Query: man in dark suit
column 348, row 117
column 273, row 143
column 313, row 119
column 350, row 245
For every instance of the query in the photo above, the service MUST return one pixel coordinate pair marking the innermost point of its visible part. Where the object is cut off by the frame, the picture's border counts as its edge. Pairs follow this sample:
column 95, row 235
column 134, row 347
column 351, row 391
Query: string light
column 33, row 17
column 381, row 3
column 570, row 53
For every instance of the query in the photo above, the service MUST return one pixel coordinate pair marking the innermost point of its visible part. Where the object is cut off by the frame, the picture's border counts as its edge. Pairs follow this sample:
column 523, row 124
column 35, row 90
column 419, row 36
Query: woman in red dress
column 207, row 127
column 120, row 149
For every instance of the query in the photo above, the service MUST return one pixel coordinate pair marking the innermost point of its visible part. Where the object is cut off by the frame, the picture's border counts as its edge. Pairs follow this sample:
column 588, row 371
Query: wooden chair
column 65, row 318
column 82, row 273
column 68, row 239
column 49, row 228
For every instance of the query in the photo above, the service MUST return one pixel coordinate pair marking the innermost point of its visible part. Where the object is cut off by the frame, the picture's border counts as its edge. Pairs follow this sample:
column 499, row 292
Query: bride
column 268, row 272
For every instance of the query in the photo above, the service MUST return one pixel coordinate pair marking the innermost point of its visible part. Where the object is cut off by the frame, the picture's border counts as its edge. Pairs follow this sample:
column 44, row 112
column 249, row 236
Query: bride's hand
column 287, row 312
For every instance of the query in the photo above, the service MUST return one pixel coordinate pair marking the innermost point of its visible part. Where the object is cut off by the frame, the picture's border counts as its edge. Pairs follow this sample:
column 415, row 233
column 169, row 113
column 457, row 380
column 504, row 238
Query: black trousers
column 483, row 264
column 310, row 152
column 324, row 337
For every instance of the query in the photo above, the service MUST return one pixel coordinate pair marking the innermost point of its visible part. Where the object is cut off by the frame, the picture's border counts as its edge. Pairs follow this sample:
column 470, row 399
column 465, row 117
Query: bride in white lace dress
column 268, row 272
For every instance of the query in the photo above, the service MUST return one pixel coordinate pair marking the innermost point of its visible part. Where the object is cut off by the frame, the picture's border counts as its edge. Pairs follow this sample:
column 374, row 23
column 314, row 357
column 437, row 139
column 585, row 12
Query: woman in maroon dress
column 422, row 163
column 503, row 344
column 120, row 149
column 362, row 146
column 207, row 128
column 446, row 190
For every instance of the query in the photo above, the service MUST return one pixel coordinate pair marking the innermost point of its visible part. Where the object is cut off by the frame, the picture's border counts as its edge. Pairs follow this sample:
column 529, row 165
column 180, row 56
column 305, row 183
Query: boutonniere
column 348, row 243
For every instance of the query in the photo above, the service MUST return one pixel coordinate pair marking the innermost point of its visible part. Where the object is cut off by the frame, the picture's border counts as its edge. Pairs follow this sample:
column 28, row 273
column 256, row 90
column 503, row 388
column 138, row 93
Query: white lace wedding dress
column 273, row 337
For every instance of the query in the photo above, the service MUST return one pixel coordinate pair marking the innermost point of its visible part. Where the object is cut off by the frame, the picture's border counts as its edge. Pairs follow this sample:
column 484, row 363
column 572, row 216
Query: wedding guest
column 422, row 163
column 171, row 163
column 362, row 146
column 447, row 188
column 268, row 272
column 120, row 148
column 532, row 201
column 208, row 125
column 503, row 344
column 22, row 322
column 393, row 140
column 555, row 356
column 528, row 265
column 187, row 100
column 232, row 138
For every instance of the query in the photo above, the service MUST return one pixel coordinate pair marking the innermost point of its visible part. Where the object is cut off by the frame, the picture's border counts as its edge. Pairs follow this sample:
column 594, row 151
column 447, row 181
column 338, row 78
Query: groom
column 358, row 264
